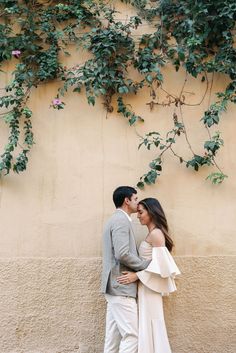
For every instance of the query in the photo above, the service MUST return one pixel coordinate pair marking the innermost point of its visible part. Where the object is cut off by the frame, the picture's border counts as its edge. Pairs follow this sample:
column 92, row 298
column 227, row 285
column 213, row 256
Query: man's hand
column 127, row 277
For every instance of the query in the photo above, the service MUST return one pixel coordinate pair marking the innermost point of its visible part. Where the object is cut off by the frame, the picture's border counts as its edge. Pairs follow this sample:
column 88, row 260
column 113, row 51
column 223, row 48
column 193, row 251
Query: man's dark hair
column 121, row 193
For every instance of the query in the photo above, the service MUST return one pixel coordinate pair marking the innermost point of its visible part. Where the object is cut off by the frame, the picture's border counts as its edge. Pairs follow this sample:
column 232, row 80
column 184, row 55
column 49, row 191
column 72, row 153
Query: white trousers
column 121, row 325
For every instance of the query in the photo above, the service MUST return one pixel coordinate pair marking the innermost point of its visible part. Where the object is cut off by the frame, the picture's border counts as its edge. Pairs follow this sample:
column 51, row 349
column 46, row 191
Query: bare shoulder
column 157, row 237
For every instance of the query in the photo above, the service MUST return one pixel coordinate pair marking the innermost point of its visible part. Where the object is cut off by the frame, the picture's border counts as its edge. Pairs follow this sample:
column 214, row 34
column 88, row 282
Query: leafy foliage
column 197, row 36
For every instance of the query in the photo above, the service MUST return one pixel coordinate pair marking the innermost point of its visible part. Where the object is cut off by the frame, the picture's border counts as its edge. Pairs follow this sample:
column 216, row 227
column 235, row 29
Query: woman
column 156, row 280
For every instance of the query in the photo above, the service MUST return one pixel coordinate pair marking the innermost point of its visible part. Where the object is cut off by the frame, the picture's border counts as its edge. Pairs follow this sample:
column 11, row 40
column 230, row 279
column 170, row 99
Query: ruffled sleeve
column 159, row 275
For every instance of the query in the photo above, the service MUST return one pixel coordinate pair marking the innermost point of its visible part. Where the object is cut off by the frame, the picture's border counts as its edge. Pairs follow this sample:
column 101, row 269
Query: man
column 119, row 255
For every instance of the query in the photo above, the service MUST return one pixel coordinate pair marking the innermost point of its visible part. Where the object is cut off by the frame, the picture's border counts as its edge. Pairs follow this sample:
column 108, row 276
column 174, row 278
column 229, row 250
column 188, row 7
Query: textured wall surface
column 54, row 306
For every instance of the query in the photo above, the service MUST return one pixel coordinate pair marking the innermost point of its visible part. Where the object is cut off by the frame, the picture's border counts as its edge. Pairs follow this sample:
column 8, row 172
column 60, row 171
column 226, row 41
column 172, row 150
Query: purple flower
column 56, row 101
column 16, row 53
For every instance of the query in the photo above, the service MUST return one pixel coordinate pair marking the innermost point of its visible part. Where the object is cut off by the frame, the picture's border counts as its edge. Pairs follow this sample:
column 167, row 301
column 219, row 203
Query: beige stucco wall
column 51, row 220
column 52, row 305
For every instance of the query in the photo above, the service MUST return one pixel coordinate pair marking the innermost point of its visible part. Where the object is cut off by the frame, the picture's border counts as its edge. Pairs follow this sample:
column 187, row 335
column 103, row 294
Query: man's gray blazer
column 119, row 254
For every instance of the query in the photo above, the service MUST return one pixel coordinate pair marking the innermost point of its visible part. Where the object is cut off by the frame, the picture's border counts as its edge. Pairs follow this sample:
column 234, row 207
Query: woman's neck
column 151, row 226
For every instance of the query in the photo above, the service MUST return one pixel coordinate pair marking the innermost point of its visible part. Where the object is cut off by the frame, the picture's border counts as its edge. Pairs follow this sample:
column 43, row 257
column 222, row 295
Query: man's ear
column 126, row 201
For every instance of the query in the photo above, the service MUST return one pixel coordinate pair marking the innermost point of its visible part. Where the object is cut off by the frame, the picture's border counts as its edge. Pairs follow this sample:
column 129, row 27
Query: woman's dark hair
column 158, row 217
column 121, row 193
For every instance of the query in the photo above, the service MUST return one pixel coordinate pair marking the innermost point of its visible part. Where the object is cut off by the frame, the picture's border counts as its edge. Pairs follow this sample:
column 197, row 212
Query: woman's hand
column 127, row 278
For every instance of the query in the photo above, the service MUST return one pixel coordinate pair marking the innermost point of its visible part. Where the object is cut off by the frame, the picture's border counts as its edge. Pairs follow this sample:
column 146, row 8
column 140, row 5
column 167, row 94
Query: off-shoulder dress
column 155, row 281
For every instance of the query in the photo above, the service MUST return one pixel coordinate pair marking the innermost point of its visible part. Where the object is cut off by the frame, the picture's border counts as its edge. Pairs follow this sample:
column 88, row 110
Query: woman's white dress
column 155, row 281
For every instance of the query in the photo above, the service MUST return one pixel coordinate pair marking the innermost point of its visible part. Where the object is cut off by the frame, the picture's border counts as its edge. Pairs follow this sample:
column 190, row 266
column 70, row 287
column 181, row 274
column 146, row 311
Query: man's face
column 133, row 203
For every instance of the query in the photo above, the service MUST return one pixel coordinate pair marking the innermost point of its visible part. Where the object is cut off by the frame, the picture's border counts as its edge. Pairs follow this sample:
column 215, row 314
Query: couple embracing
column 133, row 327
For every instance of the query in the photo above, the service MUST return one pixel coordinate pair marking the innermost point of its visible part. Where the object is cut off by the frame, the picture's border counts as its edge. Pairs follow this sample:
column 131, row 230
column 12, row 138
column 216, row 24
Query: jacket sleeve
column 120, row 237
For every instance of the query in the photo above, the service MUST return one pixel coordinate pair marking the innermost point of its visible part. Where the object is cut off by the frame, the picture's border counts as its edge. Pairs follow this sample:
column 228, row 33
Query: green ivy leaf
column 91, row 100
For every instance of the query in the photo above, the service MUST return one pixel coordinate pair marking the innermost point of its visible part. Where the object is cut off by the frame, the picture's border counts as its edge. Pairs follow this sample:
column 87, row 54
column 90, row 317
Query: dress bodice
column 145, row 250
column 160, row 273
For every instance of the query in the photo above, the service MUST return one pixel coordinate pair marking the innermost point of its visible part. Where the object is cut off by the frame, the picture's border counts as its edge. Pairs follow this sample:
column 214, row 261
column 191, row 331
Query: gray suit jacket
column 119, row 254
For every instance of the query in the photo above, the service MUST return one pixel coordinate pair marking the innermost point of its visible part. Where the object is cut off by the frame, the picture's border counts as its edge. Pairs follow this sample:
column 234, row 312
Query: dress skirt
column 152, row 329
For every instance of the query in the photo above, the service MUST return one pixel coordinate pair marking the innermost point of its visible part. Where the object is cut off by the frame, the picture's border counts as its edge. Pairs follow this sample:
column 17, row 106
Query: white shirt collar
column 129, row 218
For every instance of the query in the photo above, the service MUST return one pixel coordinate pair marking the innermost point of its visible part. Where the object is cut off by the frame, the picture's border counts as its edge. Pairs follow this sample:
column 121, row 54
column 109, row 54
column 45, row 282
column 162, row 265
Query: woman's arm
column 157, row 239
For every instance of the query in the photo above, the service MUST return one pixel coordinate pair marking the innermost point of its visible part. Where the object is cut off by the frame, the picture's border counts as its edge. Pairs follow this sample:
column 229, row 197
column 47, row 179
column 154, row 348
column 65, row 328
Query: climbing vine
column 197, row 36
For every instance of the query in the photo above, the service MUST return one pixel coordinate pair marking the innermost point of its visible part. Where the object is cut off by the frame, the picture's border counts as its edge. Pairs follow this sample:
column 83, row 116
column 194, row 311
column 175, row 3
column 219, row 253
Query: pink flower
column 57, row 104
column 56, row 101
column 16, row 53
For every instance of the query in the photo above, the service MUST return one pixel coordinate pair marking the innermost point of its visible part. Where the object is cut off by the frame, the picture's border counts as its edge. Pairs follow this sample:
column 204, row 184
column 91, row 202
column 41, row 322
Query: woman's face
column 143, row 215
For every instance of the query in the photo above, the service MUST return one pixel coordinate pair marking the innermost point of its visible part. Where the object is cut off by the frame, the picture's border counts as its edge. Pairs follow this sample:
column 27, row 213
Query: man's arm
column 120, row 237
